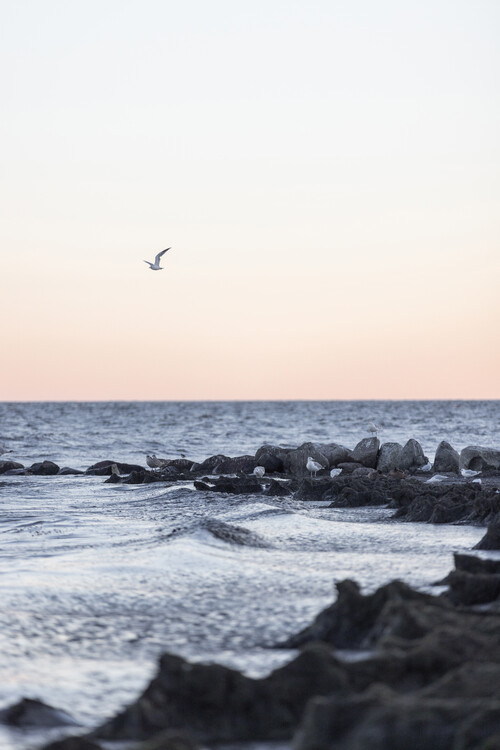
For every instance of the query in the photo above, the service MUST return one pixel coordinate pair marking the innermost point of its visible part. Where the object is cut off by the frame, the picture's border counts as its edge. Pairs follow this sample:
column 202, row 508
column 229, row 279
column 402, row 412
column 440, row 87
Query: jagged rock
column 312, row 489
column 295, row 461
column 478, row 458
column 6, row 465
column 473, row 588
column 44, row 468
column 446, row 459
column 366, row 452
column 30, row 712
column 217, row 704
column 104, row 468
column 412, row 456
column 388, row 457
column 68, row 471
column 491, row 540
column 117, row 479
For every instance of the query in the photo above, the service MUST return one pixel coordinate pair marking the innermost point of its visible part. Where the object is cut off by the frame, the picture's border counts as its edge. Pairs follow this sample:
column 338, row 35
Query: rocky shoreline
column 397, row 669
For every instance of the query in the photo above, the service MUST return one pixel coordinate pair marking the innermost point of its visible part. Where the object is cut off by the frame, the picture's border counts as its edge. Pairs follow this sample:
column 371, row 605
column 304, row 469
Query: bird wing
column 157, row 257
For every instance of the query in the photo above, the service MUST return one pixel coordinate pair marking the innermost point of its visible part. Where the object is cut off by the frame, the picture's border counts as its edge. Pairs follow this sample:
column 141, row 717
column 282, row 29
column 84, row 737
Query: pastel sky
column 327, row 174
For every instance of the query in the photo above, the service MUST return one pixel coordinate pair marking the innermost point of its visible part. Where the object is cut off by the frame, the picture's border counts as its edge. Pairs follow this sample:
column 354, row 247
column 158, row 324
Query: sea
column 97, row 580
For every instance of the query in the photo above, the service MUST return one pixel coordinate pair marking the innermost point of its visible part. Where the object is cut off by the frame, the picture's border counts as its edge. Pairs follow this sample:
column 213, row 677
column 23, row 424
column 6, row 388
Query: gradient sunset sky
column 326, row 172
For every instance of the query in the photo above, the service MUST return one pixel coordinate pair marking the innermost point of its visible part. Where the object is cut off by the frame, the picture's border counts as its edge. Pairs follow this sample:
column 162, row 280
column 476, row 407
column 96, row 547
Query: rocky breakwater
column 425, row 674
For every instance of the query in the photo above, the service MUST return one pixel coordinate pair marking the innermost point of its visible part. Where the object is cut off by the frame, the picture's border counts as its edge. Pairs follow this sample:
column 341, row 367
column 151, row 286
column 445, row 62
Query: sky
column 327, row 174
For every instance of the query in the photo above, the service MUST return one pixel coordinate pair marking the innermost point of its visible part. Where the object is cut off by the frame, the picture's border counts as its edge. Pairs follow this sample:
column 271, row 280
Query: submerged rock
column 230, row 485
column 231, row 534
column 68, row 471
column 104, row 468
column 30, row 712
column 6, row 465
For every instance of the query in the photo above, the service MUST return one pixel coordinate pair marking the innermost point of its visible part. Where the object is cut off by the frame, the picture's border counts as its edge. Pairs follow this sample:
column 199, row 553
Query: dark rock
column 358, row 490
column 335, row 453
column 271, row 457
column 295, row 461
column 388, row 457
column 103, row 468
column 44, row 468
column 278, row 489
column 366, row 452
column 231, row 485
column 142, row 476
column 217, row 704
column 72, row 743
column 447, row 459
column 169, row 740
column 473, row 588
column 67, row 471
column 312, row 489
column 412, row 456
column 182, row 464
column 6, row 465
column 117, row 479
column 226, row 532
column 243, row 464
column 477, row 458
column 491, row 540
column 30, row 712
column 473, row 564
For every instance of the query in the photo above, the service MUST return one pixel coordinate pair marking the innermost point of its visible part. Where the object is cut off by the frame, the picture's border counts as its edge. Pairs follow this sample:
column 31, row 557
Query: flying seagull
column 156, row 265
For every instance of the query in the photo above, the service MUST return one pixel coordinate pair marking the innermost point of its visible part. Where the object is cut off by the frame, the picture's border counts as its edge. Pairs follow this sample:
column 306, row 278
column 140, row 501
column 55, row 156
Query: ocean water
column 96, row 580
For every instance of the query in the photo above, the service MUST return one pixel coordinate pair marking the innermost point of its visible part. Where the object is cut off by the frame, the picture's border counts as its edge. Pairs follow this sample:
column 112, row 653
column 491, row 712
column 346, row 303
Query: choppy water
column 96, row 580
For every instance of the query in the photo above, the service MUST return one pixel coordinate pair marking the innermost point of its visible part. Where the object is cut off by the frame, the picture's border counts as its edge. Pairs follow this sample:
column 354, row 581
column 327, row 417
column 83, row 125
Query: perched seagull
column 313, row 466
column 427, row 467
column 156, row 265
column 436, row 478
column 335, row 473
column 153, row 462
column 468, row 473
column 373, row 428
column 259, row 471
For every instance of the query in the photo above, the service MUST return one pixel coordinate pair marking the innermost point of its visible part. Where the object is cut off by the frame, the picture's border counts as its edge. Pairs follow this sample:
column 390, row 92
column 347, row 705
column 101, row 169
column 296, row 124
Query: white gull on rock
column 313, row 466
column 335, row 473
column 468, row 473
column 259, row 471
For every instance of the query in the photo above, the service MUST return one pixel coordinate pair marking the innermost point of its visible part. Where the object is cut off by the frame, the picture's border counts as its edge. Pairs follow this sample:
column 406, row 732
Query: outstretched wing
column 157, row 258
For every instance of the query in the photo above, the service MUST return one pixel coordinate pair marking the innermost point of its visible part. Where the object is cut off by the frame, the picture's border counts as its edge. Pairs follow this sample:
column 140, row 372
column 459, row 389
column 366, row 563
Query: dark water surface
column 96, row 580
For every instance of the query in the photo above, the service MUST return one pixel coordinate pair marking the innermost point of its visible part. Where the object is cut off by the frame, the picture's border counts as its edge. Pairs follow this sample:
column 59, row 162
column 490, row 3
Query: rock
column 182, row 464
column 140, row 476
column 226, row 532
column 491, row 540
column 412, row 456
column 67, row 471
column 117, row 479
column 169, row 740
column 349, row 467
column 388, row 457
column 312, row 489
column 366, row 452
column 231, row 485
column 217, row 704
column 104, row 468
column 272, row 457
column 473, row 588
column 335, row 453
column 295, row 461
column 72, row 743
column 477, row 458
column 278, row 489
column 447, row 458
column 9, row 466
column 472, row 564
column 30, row 712
column 44, row 468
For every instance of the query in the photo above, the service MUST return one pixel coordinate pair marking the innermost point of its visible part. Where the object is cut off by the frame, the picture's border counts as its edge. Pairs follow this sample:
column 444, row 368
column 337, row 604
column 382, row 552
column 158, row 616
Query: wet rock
column 73, row 743
column 68, row 471
column 221, row 464
column 388, row 457
column 140, row 476
column 358, row 490
column 473, row 588
column 117, row 479
column 312, row 489
column 447, row 459
column 278, row 489
column 445, row 503
column 44, row 468
column 366, row 452
column 295, row 461
column 478, row 458
column 412, row 456
column 30, row 712
column 169, row 740
column 231, row 485
column 9, row 466
column 473, row 564
column 217, row 704
column 272, row 458
column 104, row 468
column 491, row 540
column 226, row 532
